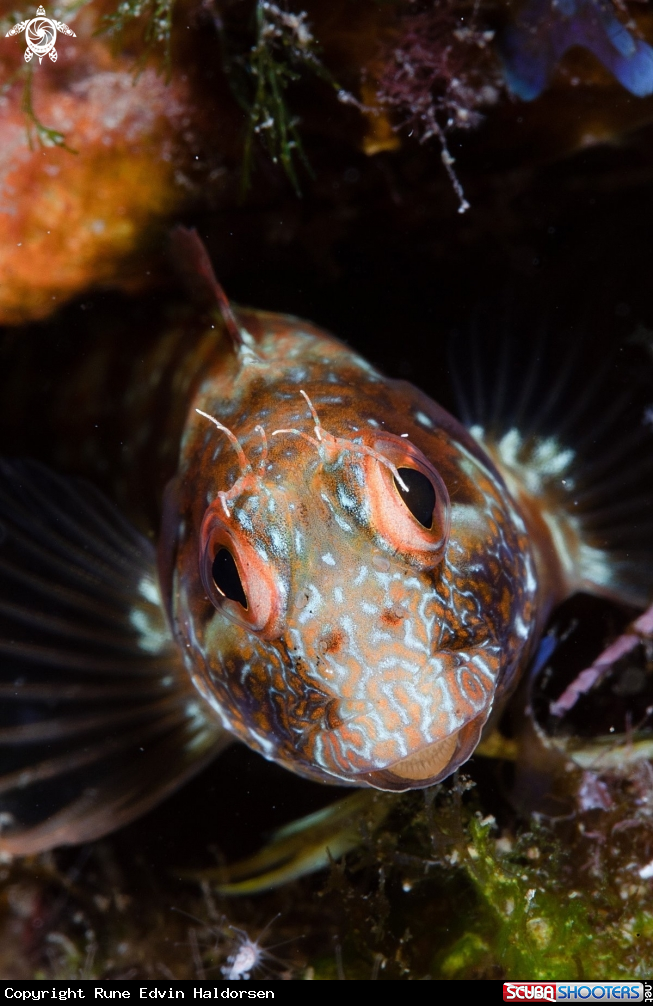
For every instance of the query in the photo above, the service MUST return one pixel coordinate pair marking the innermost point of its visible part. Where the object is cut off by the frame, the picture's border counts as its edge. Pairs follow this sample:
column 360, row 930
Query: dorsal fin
column 194, row 265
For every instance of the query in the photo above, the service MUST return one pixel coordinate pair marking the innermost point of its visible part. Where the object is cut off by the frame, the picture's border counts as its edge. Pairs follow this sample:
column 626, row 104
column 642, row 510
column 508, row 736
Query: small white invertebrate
column 247, row 956
column 241, row 963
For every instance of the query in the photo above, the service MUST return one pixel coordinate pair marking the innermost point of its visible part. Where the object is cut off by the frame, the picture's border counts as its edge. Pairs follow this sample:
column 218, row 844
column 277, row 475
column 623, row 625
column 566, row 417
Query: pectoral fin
column 566, row 425
column 304, row 846
column 98, row 718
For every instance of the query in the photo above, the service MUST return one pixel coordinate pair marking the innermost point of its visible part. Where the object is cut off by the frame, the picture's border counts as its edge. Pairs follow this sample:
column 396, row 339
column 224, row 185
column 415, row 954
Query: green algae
column 284, row 52
column 152, row 17
column 533, row 924
column 37, row 131
column 46, row 136
column 454, row 899
column 260, row 64
column 273, row 66
column 437, row 891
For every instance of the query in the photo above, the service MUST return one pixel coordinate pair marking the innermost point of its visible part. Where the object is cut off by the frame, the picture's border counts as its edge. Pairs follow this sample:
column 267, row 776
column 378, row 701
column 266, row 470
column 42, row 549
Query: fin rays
column 72, row 599
column 51, row 657
column 83, row 534
column 52, row 767
column 67, row 628
column 98, row 717
column 55, row 729
column 578, row 443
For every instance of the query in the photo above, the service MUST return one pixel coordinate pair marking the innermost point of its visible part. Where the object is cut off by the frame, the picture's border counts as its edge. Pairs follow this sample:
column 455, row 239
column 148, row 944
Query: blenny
column 347, row 579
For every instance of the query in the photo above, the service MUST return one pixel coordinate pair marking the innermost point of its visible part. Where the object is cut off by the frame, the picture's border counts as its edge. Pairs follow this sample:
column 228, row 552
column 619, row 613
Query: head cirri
column 353, row 588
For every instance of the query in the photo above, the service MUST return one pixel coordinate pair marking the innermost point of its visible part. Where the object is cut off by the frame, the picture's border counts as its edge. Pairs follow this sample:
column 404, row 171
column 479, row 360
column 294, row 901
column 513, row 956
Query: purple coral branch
column 641, row 628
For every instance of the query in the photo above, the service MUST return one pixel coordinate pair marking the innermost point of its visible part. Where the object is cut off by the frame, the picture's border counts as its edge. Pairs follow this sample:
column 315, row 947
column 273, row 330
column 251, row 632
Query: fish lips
column 424, row 766
column 430, row 764
column 409, row 727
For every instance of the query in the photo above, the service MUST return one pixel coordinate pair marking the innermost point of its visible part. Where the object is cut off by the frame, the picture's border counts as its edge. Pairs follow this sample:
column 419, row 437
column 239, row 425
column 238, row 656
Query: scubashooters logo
column 572, row 992
column 33, row 990
column 40, row 35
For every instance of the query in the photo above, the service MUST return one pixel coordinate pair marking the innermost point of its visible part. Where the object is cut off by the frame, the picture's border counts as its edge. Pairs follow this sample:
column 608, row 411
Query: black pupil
column 420, row 498
column 227, row 578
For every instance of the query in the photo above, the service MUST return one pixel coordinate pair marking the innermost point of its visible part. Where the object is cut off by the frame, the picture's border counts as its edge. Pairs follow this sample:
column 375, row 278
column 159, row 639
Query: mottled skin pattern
column 372, row 651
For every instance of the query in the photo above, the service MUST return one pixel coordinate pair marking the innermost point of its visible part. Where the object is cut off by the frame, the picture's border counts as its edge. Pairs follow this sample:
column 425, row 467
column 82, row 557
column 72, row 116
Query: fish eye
column 238, row 581
column 227, row 578
column 420, row 495
column 412, row 519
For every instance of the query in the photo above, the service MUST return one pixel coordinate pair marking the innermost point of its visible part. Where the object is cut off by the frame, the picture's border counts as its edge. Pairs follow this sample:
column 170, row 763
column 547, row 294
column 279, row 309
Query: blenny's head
column 350, row 599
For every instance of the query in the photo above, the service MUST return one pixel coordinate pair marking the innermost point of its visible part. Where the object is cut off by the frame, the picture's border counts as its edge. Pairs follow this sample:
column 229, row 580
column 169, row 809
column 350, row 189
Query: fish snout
column 424, row 766
column 407, row 727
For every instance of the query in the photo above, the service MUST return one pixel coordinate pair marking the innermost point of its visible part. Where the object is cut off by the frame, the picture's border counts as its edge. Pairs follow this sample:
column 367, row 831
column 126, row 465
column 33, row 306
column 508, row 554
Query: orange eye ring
column 395, row 521
column 264, row 598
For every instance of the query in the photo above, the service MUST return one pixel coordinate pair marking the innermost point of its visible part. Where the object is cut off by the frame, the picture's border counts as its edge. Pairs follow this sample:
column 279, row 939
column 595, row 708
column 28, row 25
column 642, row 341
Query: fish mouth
column 429, row 764
column 408, row 727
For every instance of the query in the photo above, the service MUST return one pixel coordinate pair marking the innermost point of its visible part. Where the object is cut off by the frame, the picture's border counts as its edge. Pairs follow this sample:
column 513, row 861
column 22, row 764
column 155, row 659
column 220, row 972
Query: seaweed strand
column 45, row 135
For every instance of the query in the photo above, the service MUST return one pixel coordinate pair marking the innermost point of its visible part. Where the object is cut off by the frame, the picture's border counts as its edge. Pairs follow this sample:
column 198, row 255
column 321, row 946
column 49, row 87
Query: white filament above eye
column 245, row 465
column 323, row 437
column 235, row 442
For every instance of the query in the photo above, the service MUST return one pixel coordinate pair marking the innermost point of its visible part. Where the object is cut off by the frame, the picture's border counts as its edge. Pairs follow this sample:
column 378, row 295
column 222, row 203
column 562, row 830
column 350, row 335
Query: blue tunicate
column 545, row 29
